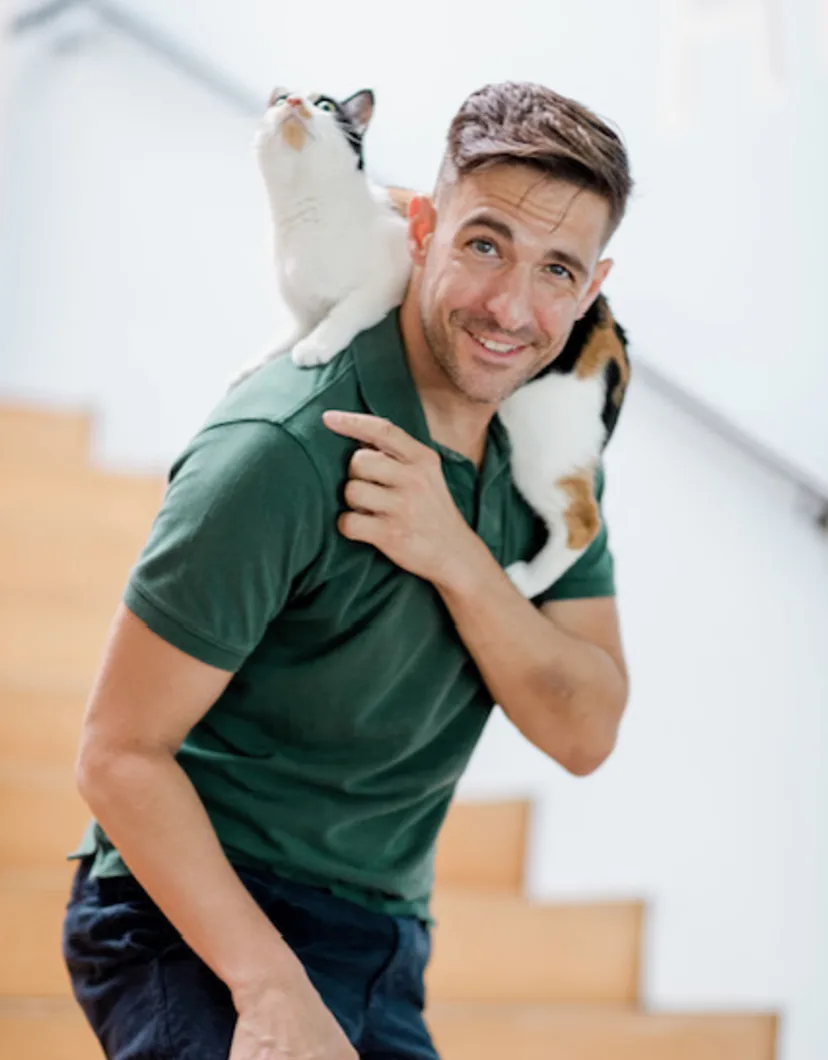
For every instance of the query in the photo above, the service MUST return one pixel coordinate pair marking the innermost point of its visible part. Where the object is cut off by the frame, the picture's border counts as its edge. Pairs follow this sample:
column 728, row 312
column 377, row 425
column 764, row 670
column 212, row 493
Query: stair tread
column 483, row 844
column 576, row 952
column 490, row 1031
column 585, row 1032
column 78, row 498
column 521, row 1012
column 32, row 435
column 502, row 947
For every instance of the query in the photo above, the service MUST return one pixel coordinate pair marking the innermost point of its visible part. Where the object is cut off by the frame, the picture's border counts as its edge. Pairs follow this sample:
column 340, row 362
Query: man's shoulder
column 279, row 392
column 275, row 416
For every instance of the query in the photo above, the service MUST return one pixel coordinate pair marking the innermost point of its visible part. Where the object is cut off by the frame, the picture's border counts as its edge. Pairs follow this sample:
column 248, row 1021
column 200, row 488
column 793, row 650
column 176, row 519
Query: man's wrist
column 467, row 569
column 276, row 976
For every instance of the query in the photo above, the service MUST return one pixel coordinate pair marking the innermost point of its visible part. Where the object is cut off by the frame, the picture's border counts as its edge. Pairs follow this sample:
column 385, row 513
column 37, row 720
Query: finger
column 372, row 465
column 368, row 497
column 376, row 431
column 359, row 527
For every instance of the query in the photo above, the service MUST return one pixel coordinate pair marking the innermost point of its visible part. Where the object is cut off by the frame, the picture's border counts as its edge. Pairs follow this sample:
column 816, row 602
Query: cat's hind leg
column 571, row 515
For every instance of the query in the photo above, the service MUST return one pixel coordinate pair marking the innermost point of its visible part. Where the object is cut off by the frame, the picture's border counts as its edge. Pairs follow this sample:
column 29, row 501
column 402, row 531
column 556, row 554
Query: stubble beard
column 442, row 349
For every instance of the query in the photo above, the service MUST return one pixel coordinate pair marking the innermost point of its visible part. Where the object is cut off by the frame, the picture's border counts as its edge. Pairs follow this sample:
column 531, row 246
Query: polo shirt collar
column 385, row 380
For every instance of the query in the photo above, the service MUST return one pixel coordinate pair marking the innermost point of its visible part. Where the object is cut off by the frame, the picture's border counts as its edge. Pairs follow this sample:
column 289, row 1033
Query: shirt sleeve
column 241, row 520
column 594, row 573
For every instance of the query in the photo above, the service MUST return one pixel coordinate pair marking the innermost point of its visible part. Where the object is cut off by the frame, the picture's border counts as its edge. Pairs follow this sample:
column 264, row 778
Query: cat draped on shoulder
column 342, row 261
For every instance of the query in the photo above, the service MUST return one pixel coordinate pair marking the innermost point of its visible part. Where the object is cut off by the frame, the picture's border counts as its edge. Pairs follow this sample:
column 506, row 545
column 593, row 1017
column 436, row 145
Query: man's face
column 508, row 262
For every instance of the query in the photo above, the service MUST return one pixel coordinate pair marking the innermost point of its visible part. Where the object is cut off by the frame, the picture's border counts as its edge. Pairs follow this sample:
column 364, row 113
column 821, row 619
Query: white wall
column 134, row 277
column 725, row 109
column 714, row 803
column 134, row 268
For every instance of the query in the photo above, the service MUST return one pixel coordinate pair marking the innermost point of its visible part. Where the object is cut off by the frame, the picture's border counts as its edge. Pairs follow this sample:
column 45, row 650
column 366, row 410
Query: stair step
column 483, row 845
column 42, row 815
column 583, row 953
column 45, row 1029
column 43, row 437
column 39, row 736
column 522, row 1032
column 68, row 564
column 51, row 647
column 39, row 728
column 55, row 1029
column 493, row 947
column 32, row 908
column 78, row 499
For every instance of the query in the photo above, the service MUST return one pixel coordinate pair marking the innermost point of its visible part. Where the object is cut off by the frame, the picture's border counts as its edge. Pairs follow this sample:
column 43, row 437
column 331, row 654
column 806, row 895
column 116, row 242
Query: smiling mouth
column 496, row 350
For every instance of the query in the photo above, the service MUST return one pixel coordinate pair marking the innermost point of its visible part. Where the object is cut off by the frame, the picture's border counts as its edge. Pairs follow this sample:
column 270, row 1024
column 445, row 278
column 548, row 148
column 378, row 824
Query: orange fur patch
column 582, row 518
column 604, row 346
column 293, row 133
column 401, row 199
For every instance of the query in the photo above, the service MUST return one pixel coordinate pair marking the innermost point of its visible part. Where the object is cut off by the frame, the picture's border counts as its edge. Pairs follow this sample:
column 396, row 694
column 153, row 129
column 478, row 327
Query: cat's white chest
column 313, row 267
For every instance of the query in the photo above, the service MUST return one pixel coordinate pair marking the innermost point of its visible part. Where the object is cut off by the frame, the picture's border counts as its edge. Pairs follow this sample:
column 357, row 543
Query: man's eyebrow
column 487, row 220
column 572, row 261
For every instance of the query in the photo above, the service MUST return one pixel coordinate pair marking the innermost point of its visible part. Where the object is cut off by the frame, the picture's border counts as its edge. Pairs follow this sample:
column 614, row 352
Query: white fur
column 342, row 264
column 556, row 431
column 340, row 249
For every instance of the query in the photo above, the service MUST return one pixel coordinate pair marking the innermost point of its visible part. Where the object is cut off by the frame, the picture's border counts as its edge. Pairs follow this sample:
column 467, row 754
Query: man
column 313, row 638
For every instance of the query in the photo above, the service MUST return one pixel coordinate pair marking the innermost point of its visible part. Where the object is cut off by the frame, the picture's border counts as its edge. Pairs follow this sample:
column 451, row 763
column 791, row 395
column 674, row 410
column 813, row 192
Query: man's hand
column 399, row 500
column 287, row 1022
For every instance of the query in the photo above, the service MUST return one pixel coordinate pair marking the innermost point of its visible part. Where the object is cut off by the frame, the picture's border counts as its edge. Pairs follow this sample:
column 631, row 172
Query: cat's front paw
column 525, row 580
column 309, row 352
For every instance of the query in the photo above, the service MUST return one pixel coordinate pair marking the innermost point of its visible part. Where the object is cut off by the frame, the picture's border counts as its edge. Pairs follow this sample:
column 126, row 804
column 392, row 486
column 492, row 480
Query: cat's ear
column 279, row 91
column 359, row 108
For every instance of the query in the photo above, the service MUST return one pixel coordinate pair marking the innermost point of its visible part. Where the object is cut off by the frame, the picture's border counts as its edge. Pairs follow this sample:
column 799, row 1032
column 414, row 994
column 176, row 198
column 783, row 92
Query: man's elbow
column 93, row 764
column 595, row 746
column 583, row 761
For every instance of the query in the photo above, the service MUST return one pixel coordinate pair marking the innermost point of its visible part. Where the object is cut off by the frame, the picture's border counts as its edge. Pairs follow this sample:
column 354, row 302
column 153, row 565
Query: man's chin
column 486, row 391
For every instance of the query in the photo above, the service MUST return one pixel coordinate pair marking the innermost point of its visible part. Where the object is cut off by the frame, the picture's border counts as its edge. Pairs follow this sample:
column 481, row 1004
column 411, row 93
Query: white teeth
column 495, row 347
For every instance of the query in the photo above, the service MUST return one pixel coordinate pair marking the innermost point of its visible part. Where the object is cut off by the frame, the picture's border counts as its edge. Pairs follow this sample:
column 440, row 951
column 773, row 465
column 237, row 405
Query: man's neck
column 453, row 420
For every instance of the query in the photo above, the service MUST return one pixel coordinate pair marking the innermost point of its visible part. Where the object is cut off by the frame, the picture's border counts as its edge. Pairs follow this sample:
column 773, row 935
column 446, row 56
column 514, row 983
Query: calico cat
column 342, row 260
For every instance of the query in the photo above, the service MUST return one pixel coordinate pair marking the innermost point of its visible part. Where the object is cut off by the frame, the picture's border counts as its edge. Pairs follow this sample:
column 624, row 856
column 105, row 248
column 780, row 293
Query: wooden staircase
column 509, row 980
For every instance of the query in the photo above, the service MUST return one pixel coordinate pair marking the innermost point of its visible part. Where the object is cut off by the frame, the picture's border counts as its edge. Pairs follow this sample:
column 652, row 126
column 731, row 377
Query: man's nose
column 510, row 300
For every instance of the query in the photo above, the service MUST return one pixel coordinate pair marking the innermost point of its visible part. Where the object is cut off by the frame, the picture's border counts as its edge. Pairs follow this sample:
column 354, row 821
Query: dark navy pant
column 149, row 997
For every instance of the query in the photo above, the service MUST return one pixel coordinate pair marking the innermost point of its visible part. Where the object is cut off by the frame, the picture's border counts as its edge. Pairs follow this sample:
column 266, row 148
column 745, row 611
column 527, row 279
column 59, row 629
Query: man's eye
column 483, row 246
column 560, row 270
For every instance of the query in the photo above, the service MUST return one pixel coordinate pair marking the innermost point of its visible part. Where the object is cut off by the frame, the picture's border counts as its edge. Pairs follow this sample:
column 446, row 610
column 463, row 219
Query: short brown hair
column 527, row 123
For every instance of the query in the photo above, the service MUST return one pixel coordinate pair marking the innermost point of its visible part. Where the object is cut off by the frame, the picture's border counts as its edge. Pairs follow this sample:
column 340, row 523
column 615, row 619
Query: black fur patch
column 349, row 129
column 568, row 358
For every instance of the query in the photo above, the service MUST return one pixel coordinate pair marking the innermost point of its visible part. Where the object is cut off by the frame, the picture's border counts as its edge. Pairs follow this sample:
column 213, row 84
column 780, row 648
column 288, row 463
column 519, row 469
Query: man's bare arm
column 147, row 696
column 558, row 673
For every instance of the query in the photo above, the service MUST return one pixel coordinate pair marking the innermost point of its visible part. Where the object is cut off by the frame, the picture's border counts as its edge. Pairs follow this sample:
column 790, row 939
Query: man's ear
column 422, row 220
column 591, row 293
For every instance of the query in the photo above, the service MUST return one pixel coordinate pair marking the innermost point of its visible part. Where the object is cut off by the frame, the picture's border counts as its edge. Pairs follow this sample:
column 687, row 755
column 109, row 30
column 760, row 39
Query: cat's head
column 315, row 129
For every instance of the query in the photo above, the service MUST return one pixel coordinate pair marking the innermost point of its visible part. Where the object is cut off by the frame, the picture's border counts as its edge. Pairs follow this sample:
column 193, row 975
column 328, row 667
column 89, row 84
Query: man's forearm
column 565, row 694
column 149, row 808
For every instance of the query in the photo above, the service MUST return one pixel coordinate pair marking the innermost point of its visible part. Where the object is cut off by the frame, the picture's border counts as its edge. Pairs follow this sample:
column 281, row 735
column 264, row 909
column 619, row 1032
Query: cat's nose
column 294, row 101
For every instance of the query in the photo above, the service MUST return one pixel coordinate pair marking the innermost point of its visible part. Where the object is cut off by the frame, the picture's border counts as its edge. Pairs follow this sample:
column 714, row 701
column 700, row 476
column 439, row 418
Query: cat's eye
column 325, row 104
column 276, row 100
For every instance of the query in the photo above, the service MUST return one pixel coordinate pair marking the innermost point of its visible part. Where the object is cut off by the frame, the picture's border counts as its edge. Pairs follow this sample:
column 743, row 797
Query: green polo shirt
column 333, row 754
